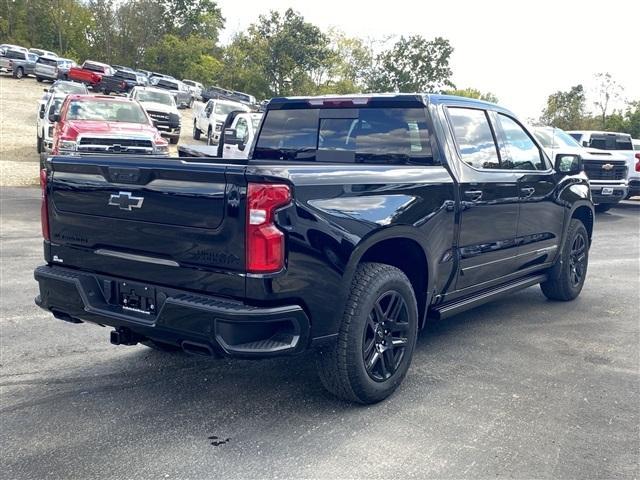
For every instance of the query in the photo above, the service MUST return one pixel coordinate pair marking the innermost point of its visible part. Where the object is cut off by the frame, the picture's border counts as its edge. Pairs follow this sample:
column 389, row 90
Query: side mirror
column 41, row 112
column 54, row 117
column 568, row 164
column 230, row 137
column 585, row 143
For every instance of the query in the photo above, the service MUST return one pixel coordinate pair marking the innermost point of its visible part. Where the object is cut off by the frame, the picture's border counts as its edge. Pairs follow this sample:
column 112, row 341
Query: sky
column 520, row 51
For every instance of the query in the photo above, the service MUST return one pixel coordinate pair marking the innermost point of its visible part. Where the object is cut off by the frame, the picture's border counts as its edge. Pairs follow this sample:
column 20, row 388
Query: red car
column 102, row 124
column 90, row 72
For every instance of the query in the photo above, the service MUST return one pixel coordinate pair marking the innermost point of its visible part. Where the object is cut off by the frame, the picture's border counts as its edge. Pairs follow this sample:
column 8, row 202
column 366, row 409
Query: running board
column 457, row 306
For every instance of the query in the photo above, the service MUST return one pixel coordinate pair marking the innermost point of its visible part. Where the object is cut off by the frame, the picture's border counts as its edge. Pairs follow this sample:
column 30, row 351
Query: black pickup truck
column 354, row 222
column 122, row 81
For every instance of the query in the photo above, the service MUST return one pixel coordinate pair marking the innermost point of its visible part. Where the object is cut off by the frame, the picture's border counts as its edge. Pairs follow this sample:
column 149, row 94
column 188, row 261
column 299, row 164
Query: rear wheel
column 603, row 207
column 39, row 79
column 567, row 276
column 196, row 132
column 173, row 140
column 376, row 339
column 19, row 73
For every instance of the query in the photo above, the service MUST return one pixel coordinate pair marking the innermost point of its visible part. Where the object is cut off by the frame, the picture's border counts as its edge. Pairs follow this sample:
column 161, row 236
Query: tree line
column 279, row 54
column 569, row 110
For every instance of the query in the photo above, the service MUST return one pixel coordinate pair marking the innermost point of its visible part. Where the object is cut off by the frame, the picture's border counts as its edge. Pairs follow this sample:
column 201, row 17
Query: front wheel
column 174, row 140
column 19, row 73
column 376, row 339
column 39, row 144
column 39, row 79
column 209, row 137
column 196, row 132
column 567, row 276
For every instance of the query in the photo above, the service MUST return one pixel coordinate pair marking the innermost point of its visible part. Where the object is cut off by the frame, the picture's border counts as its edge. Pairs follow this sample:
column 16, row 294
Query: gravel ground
column 518, row 388
column 18, row 107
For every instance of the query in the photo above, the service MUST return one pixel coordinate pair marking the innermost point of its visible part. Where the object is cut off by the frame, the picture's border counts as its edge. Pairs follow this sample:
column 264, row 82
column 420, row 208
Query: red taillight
column 44, row 214
column 637, row 162
column 265, row 242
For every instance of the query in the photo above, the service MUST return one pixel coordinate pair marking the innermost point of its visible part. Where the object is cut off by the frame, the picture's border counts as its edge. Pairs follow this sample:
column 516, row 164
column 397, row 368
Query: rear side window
column 522, row 152
column 474, row 137
column 372, row 135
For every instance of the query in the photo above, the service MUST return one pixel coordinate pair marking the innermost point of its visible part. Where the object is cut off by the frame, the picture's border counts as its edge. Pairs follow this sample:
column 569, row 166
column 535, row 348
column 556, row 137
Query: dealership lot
column 522, row 387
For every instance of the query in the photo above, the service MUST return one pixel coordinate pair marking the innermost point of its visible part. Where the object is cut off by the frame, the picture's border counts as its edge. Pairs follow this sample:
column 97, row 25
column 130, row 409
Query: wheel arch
column 402, row 249
column 584, row 213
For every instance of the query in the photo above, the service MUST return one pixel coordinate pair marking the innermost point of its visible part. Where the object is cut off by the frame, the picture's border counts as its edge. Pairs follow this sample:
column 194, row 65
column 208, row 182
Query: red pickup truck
column 96, row 124
column 90, row 72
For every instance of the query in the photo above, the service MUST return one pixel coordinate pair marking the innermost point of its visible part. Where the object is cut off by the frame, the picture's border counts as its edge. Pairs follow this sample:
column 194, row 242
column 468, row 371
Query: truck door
column 541, row 218
column 489, row 201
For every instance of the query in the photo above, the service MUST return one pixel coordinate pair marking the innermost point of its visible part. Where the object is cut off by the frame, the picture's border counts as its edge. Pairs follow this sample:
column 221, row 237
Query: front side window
column 522, row 152
column 377, row 135
column 473, row 135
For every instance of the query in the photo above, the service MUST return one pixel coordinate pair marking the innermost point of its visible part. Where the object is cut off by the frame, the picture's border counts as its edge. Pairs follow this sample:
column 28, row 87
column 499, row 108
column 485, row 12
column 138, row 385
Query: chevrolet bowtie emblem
column 124, row 201
column 607, row 166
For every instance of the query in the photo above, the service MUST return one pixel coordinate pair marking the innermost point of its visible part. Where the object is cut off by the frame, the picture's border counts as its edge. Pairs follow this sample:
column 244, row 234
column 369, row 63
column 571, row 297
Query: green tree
column 565, row 110
column 607, row 91
column 414, row 64
column 473, row 93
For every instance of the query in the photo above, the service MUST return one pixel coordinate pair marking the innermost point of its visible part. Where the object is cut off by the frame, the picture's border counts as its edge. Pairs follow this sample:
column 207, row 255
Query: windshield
column 106, row 111
column 70, row 87
column 555, row 138
column 224, row 109
column 379, row 135
column 157, row 97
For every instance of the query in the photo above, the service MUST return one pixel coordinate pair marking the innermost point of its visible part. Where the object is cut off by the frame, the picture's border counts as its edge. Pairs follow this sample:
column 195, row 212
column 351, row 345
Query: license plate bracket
column 136, row 297
column 607, row 191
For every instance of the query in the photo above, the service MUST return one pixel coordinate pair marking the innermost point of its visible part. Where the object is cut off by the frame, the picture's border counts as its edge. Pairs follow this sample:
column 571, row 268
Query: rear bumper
column 222, row 326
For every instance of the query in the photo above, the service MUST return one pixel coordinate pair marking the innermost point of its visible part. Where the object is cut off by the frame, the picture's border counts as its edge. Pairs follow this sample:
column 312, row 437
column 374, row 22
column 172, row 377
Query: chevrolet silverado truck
column 354, row 221
column 90, row 73
column 99, row 124
column 607, row 171
column 17, row 62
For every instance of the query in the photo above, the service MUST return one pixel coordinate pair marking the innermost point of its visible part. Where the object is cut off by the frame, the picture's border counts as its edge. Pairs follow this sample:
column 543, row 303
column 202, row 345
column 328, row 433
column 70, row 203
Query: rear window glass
column 16, row 55
column 611, row 142
column 125, row 74
column 52, row 62
column 106, row 111
column 93, row 67
column 378, row 135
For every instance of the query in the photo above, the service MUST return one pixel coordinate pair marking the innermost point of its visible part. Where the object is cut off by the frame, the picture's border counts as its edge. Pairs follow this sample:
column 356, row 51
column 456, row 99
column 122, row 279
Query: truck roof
column 376, row 99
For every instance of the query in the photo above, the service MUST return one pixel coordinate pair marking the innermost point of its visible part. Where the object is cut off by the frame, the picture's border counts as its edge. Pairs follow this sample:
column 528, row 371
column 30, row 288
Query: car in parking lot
column 52, row 68
column 98, row 124
column 353, row 221
column 89, row 72
column 195, row 88
column 43, row 53
column 122, row 81
column 18, row 62
column 607, row 171
column 209, row 118
column 160, row 105
column 182, row 95
column 617, row 142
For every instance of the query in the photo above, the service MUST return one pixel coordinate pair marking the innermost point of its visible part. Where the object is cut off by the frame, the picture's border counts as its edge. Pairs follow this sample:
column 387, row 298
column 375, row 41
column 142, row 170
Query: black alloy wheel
column 385, row 336
column 578, row 259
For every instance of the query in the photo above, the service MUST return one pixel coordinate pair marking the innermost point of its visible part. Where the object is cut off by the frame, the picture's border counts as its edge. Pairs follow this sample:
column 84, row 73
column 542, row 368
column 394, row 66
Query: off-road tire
column 559, row 285
column 341, row 365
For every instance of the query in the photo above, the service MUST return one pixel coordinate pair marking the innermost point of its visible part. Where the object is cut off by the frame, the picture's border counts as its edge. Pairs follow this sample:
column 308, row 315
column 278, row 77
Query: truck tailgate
column 158, row 220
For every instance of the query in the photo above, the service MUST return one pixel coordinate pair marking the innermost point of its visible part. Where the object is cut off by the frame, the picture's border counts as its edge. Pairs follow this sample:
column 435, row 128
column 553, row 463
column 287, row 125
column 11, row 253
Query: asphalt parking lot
column 522, row 388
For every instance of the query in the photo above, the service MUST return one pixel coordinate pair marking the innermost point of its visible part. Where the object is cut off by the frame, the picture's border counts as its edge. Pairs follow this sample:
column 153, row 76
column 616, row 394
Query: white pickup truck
column 209, row 118
column 613, row 142
column 607, row 171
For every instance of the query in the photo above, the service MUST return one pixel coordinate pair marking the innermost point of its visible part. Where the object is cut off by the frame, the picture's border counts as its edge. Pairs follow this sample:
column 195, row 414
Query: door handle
column 527, row 191
column 473, row 195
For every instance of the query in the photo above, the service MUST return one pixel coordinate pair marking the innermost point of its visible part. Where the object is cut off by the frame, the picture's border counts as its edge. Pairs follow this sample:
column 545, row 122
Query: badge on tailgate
column 125, row 201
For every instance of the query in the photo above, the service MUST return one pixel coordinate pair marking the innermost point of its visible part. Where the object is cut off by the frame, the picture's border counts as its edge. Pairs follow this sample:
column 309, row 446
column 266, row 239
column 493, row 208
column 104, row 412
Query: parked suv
column 607, row 171
column 161, row 107
column 354, row 221
column 620, row 143
column 100, row 124
column 195, row 88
